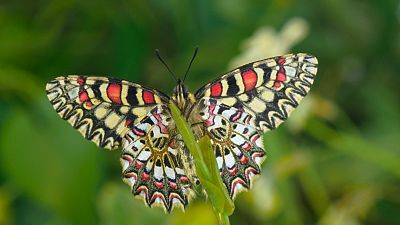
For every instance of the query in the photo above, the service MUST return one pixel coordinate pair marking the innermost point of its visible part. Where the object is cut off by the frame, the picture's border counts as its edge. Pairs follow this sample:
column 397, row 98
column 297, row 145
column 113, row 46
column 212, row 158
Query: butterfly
column 233, row 111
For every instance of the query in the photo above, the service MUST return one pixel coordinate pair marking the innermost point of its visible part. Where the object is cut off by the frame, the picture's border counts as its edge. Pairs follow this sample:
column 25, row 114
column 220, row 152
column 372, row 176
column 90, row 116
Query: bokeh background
column 336, row 161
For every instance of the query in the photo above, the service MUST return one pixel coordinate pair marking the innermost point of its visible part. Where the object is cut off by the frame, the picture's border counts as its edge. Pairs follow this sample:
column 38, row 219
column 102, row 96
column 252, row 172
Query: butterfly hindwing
column 153, row 162
column 100, row 108
column 237, row 144
column 246, row 102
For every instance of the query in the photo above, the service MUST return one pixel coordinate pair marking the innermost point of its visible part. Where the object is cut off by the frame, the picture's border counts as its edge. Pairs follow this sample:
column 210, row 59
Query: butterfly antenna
column 190, row 64
column 165, row 64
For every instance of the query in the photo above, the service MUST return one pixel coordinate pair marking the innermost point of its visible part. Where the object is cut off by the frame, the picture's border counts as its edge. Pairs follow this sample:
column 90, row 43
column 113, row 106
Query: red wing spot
column 281, row 76
column 249, row 79
column 246, row 146
column 138, row 132
column 88, row 104
column 148, row 97
column 243, row 159
column 114, row 92
column 128, row 122
column 159, row 184
column 81, row 81
column 145, row 176
column 83, row 96
column 184, row 179
column 281, row 61
column 237, row 116
column 232, row 171
column 216, row 89
column 138, row 164
column 172, row 185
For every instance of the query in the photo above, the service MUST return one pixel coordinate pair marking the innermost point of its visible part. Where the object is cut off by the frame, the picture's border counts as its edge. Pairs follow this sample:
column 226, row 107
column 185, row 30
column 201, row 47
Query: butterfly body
column 233, row 110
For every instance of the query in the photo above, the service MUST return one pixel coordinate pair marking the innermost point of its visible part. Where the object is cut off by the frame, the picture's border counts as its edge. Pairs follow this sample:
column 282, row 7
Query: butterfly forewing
column 268, row 89
column 238, row 107
column 100, row 108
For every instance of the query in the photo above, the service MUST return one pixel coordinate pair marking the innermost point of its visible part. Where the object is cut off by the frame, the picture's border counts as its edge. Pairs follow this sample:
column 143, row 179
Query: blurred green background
column 336, row 161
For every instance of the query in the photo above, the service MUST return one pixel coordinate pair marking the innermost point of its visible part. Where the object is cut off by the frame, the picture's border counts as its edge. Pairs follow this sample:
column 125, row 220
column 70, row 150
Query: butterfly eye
column 175, row 90
column 185, row 89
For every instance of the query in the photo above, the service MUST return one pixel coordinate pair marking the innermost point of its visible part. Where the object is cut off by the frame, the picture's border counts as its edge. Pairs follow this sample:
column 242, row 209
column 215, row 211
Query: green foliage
column 334, row 162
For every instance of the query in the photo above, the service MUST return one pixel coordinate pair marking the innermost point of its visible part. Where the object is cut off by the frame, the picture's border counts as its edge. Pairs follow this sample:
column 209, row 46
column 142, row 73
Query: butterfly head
column 180, row 88
column 181, row 94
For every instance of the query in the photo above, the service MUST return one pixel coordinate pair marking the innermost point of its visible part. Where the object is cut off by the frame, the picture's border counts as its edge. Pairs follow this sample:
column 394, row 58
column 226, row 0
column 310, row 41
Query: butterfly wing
column 156, row 163
column 116, row 113
column 246, row 102
column 236, row 142
column 101, row 108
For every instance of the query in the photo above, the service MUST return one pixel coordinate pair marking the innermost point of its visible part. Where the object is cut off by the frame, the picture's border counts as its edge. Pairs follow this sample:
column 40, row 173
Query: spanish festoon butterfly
column 233, row 110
